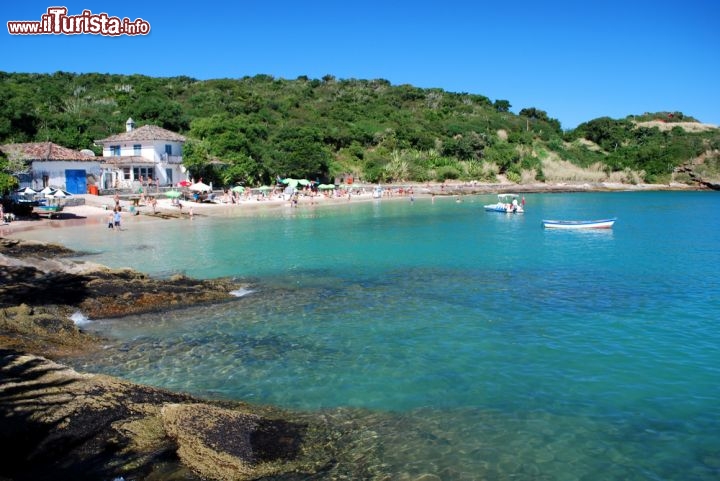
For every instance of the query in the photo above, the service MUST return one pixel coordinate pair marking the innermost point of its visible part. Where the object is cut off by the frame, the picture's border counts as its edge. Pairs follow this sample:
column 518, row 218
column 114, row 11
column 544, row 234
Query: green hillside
column 253, row 129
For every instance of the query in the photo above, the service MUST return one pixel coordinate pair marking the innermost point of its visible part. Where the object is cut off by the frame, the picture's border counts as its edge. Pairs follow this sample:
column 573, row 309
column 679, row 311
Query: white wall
column 55, row 170
column 153, row 150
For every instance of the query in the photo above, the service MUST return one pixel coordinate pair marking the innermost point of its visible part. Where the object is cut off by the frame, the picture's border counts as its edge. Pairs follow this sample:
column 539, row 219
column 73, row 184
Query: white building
column 137, row 155
column 45, row 164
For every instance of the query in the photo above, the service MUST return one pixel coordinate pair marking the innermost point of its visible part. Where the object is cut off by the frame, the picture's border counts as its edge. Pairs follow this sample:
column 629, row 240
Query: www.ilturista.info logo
column 57, row 22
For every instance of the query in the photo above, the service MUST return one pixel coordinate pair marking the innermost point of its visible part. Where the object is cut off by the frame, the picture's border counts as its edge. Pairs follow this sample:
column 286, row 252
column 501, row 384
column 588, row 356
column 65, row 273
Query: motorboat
column 507, row 203
column 579, row 224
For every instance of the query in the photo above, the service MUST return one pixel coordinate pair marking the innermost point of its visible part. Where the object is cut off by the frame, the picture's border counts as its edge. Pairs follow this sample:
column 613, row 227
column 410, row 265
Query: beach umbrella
column 173, row 194
column 238, row 188
column 290, row 182
column 265, row 188
column 58, row 194
column 326, row 186
column 200, row 187
column 184, row 183
column 47, row 190
column 26, row 191
column 304, row 182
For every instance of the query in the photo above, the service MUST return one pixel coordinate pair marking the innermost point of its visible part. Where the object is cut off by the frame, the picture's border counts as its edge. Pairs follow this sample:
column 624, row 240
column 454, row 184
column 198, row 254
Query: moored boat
column 579, row 224
column 507, row 203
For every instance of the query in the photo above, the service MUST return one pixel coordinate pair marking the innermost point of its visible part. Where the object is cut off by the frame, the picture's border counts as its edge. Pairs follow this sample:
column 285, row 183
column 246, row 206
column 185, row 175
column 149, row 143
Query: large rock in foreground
column 56, row 423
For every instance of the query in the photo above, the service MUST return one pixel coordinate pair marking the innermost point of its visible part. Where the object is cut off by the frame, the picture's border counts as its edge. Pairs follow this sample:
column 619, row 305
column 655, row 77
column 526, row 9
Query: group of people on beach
column 115, row 218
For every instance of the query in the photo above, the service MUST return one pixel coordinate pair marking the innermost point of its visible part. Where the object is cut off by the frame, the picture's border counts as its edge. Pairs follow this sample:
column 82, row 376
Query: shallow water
column 476, row 345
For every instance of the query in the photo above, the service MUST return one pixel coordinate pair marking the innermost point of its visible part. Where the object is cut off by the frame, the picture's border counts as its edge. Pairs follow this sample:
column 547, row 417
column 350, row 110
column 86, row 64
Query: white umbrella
column 200, row 187
column 26, row 191
column 60, row 193
column 47, row 190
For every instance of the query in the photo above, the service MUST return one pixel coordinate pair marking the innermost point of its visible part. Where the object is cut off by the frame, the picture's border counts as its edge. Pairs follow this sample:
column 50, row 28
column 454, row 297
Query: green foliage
column 502, row 105
column 8, row 182
column 661, row 116
column 255, row 128
column 503, row 155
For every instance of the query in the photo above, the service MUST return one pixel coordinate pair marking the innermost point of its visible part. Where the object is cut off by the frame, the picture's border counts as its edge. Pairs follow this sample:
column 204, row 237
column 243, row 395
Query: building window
column 115, row 150
column 145, row 173
column 137, row 149
column 168, row 149
column 126, row 173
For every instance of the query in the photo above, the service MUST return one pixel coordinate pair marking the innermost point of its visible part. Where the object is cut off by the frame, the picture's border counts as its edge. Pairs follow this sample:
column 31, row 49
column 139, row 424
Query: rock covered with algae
column 56, row 423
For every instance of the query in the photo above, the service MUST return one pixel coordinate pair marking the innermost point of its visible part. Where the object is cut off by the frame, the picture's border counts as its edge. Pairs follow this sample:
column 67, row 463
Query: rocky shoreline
column 56, row 423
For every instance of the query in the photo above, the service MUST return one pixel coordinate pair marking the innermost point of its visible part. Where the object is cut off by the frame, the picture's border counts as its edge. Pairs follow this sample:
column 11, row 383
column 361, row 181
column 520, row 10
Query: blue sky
column 577, row 60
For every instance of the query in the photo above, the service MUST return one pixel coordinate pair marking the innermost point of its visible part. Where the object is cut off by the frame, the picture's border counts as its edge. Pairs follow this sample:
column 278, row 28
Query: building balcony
column 171, row 159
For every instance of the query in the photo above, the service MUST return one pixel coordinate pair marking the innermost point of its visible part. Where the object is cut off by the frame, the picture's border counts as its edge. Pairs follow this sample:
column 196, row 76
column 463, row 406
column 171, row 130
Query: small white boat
column 507, row 203
column 579, row 224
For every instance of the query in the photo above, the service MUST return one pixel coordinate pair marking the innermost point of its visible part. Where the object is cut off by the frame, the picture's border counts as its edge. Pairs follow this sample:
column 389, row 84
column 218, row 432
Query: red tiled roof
column 44, row 151
column 146, row 132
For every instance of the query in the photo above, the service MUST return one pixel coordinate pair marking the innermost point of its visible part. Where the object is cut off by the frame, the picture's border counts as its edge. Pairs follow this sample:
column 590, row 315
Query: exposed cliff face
column 704, row 170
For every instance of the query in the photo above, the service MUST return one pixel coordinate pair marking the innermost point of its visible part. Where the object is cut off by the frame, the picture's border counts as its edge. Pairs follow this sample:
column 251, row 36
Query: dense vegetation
column 256, row 128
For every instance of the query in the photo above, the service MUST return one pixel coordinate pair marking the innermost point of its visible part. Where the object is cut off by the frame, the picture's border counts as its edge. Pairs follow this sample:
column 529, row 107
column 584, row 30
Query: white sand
column 95, row 211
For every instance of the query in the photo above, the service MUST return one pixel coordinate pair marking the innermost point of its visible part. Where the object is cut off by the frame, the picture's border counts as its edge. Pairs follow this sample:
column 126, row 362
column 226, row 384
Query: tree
column 299, row 153
column 9, row 168
column 502, row 105
column 503, row 155
column 542, row 116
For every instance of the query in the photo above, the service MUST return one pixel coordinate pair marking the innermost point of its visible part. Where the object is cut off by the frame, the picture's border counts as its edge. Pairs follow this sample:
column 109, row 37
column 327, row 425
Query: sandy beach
column 97, row 209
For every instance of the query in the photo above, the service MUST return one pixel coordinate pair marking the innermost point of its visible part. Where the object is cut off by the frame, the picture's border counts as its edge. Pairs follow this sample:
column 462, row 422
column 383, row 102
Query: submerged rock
column 56, row 423
column 41, row 288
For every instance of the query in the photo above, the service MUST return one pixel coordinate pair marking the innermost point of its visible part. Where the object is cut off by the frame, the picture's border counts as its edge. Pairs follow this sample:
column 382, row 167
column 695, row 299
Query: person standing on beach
column 111, row 220
column 117, row 219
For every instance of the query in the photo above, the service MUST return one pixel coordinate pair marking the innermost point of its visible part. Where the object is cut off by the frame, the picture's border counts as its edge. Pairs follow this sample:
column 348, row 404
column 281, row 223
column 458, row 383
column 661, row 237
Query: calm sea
column 470, row 345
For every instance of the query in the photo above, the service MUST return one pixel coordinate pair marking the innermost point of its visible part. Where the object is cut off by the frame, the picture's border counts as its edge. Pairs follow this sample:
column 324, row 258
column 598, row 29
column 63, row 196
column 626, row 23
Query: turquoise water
column 470, row 345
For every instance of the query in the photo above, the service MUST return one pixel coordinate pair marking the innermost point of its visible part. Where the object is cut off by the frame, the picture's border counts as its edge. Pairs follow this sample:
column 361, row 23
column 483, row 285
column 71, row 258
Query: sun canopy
column 58, row 194
column 200, row 187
